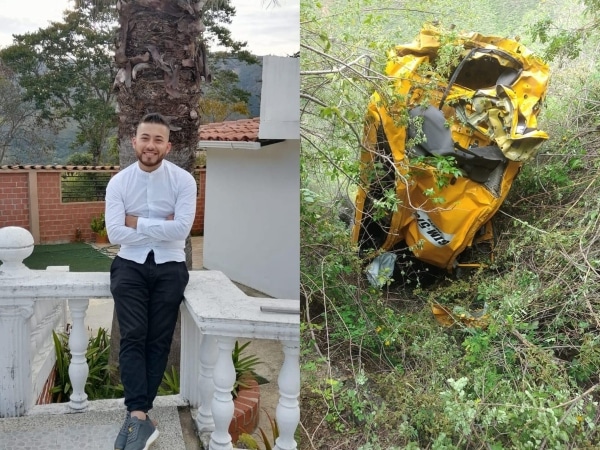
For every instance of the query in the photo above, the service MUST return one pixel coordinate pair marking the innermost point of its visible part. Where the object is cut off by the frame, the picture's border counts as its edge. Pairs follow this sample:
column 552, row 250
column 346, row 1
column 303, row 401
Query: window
column 83, row 186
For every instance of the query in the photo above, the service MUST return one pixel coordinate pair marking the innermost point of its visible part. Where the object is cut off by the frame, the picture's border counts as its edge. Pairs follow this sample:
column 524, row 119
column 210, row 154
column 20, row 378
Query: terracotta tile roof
column 233, row 130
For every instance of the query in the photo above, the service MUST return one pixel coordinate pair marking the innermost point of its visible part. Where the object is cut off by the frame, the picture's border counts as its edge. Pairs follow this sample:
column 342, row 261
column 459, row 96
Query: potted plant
column 98, row 226
column 246, row 392
column 244, row 367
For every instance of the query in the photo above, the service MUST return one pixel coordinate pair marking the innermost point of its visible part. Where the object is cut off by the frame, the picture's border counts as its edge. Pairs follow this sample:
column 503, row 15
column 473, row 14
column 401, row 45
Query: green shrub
column 98, row 384
column 170, row 383
column 244, row 366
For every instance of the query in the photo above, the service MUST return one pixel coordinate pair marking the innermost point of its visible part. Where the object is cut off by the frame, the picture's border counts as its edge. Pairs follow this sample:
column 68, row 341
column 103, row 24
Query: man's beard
column 152, row 162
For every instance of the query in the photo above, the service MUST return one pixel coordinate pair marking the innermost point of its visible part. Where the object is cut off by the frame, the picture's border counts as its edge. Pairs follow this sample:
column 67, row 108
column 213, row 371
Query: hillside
column 250, row 80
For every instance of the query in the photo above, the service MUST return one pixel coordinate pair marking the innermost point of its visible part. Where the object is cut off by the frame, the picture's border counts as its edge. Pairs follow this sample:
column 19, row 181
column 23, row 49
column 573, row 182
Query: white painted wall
column 280, row 98
column 252, row 218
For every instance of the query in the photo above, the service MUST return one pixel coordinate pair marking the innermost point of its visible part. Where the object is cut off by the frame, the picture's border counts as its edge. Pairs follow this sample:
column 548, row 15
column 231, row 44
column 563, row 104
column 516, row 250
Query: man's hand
column 131, row 222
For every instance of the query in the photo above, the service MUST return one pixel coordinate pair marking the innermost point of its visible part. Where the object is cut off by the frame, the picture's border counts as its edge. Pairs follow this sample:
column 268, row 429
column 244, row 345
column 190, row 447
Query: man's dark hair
column 155, row 118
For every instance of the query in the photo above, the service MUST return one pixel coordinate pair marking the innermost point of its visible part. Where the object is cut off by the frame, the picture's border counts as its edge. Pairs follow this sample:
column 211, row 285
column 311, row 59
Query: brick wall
column 59, row 222
column 14, row 204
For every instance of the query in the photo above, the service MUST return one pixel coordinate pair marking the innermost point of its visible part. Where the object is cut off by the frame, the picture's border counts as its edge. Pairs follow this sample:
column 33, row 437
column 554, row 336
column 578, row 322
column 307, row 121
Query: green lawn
column 78, row 256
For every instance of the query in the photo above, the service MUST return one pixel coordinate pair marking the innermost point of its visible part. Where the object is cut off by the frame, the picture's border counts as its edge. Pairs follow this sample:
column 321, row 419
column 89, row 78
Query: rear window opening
column 485, row 71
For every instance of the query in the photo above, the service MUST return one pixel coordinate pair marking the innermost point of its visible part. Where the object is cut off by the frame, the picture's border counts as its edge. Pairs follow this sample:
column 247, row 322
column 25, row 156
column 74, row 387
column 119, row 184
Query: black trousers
column 147, row 299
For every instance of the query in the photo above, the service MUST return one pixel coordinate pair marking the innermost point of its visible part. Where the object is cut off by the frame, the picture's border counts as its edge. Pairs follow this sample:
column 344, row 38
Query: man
column 150, row 208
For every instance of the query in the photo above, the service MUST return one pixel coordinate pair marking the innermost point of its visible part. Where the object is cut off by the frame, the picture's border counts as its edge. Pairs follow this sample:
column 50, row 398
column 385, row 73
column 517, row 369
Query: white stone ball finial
column 16, row 244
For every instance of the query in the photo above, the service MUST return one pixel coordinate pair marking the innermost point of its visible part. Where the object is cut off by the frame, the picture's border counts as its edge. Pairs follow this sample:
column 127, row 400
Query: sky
column 269, row 29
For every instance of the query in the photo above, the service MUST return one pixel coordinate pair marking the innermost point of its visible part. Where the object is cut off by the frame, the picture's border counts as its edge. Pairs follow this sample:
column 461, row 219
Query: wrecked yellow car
column 443, row 145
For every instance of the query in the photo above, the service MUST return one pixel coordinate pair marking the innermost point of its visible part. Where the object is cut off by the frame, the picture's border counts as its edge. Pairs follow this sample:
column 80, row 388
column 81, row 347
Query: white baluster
column 78, row 340
column 208, row 357
column 222, row 403
column 288, row 409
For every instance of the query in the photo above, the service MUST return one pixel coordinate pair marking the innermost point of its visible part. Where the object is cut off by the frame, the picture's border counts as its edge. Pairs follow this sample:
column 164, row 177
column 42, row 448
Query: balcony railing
column 214, row 314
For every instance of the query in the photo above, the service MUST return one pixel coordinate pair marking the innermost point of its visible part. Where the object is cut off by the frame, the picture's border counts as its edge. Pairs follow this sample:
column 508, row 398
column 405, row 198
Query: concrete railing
column 214, row 314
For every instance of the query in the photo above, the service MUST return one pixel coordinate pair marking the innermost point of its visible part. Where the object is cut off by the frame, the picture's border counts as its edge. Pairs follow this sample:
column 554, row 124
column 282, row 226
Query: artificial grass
column 80, row 257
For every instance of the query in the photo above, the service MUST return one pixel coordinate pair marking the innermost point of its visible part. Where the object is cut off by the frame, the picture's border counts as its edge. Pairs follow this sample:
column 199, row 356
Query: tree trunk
column 161, row 64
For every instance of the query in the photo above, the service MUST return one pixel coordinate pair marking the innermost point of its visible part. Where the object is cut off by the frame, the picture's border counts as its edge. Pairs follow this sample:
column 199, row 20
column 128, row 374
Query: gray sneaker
column 122, row 436
column 140, row 434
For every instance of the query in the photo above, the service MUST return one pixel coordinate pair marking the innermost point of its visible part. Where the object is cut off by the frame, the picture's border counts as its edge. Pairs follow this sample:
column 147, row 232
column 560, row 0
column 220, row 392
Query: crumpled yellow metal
column 449, row 316
column 494, row 101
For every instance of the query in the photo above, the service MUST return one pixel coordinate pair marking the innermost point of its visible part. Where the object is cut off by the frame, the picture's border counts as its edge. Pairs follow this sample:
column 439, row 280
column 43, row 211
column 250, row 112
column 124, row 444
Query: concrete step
column 96, row 429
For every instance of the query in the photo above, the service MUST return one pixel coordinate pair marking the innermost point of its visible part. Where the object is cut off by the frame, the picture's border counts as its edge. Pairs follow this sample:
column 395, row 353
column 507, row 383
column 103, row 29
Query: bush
column 98, row 384
column 379, row 371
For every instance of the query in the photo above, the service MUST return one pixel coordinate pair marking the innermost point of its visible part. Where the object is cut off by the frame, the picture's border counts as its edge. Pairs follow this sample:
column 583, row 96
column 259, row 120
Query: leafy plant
column 267, row 444
column 98, row 384
column 62, row 382
column 98, row 225
column 170, row 383
column 244, row 366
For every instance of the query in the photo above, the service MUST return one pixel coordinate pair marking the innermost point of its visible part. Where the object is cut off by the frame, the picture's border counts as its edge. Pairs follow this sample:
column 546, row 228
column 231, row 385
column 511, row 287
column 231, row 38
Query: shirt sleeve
column 185, row 211
column 114, row 217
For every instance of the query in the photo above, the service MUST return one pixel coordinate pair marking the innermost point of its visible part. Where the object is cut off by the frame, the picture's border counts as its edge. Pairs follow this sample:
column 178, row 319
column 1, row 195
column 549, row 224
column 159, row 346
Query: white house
column 253, row 168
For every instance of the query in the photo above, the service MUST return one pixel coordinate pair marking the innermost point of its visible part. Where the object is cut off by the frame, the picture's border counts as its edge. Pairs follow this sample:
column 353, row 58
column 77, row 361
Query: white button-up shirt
column 151, row 197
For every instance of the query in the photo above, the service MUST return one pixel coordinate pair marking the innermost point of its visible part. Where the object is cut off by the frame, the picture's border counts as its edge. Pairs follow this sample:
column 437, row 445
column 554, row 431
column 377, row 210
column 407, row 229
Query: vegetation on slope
column 378, row 370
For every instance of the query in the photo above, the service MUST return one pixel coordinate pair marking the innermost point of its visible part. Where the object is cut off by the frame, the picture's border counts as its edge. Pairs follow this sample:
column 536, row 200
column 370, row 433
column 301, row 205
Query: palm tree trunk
column 161, row 64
